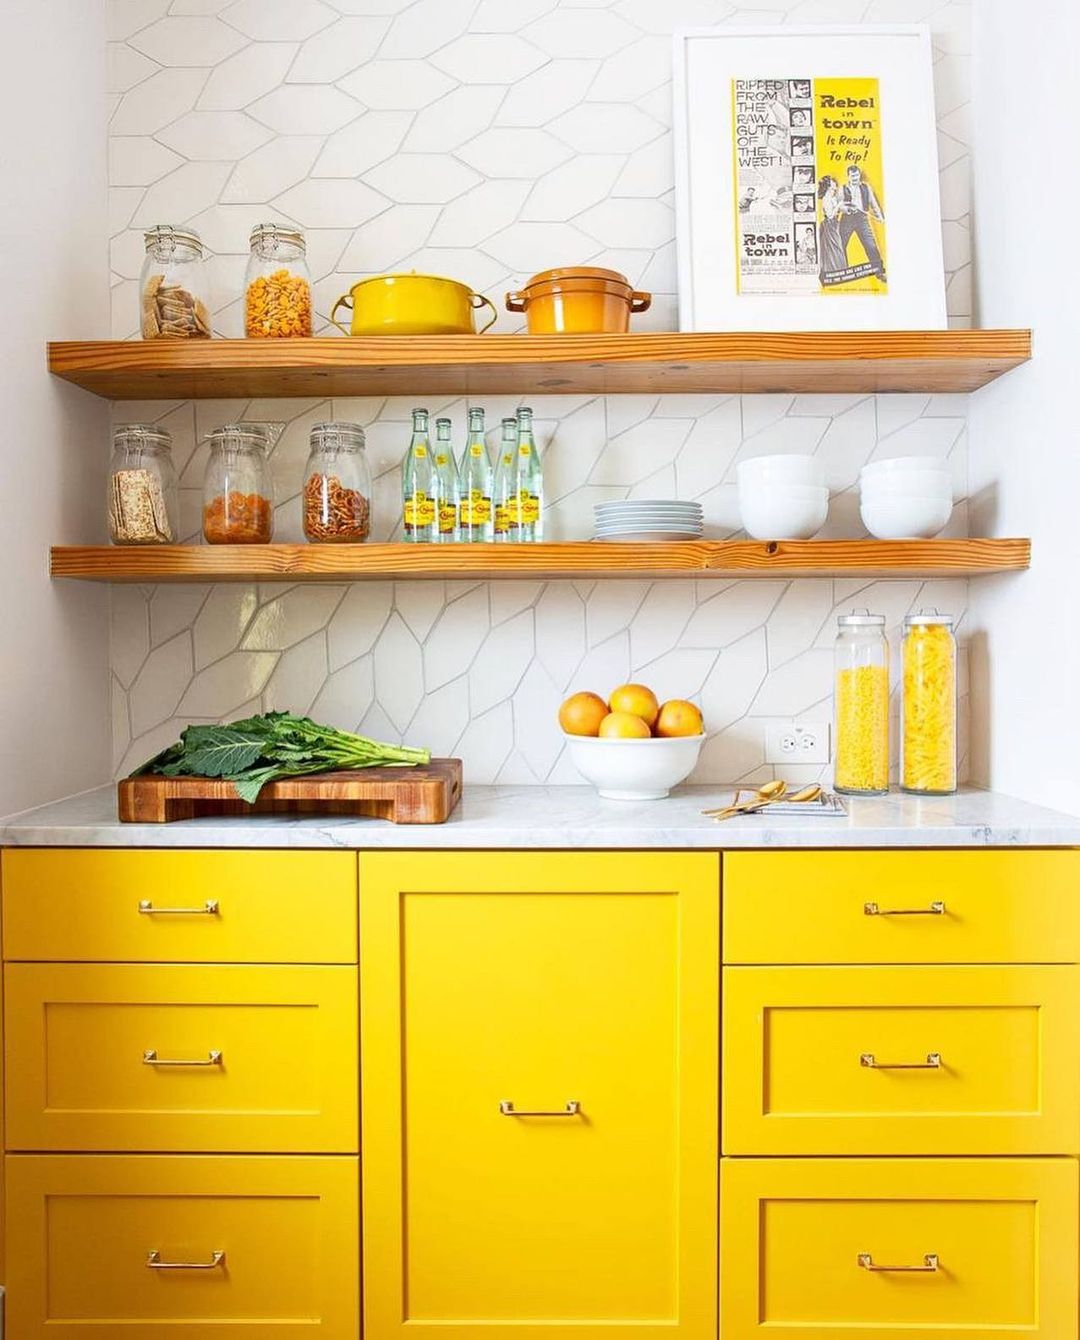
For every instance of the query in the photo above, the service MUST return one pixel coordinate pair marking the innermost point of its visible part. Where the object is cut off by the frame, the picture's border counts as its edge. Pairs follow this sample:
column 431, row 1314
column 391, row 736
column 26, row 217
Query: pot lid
column 407, row 274
column 579, row 272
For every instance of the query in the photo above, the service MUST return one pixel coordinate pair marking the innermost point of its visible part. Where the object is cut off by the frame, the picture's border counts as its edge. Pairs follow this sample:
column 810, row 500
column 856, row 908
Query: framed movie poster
column 807, row 179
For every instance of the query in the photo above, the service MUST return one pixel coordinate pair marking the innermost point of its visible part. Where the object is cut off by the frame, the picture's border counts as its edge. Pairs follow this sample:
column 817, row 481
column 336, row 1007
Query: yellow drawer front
column 82, row 1231
column 120, row 1057
column 902, row 907
column 917, row 1060
column 798, row 1237
column 180, row 907
column 582, row 990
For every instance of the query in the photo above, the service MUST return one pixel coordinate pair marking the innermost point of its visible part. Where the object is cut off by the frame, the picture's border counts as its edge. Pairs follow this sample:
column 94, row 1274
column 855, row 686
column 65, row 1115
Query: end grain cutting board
column 420, row 795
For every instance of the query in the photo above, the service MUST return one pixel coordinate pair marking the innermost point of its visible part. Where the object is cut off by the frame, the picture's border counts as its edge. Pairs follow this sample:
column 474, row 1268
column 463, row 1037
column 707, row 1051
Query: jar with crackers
column 337, row 486
column 142, row 498
column 173, row 288
column 238, row 501
column 277, row 284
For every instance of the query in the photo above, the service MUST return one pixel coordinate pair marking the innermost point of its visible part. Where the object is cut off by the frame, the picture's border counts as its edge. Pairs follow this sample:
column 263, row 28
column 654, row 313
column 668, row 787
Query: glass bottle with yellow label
column 474, row 508
column 530, row 481
column 446, row 483
column 504, row 492
column 862, row 705
column 419, row 485
column 928, row 705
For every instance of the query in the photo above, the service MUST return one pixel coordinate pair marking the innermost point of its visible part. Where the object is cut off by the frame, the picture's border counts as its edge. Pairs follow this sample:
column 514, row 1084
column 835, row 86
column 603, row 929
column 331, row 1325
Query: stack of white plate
column 647, row 519
column 905, row 497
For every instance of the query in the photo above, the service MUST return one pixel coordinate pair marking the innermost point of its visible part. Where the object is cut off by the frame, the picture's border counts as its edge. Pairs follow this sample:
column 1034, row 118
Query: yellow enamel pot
column 412, row 304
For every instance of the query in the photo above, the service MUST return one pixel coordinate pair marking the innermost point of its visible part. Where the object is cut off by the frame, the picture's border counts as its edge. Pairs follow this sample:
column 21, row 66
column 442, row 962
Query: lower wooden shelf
column 575, row 559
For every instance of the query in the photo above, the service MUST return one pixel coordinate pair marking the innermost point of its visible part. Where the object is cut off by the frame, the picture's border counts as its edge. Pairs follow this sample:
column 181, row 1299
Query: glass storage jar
column 277, row 284
column 928, row 704
column 142, row 501
column 337, row 485
column 173, row 289
column 861, row 705
column 238, row 504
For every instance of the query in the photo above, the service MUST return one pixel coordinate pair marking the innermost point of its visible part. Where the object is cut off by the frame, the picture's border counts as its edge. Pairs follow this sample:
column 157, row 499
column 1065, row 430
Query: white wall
column 54, row 277
column 1024, row 447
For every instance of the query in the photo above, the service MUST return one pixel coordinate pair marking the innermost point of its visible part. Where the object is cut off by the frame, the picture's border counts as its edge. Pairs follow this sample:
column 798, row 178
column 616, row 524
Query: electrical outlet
column 802, row 742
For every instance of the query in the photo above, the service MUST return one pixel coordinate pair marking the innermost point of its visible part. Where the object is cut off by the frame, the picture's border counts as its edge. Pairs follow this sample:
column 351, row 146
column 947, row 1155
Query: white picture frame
column 714, row 251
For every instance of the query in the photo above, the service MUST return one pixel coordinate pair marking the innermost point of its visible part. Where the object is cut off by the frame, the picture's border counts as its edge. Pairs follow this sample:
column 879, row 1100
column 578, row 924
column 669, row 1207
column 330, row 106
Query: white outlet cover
column 797, row 742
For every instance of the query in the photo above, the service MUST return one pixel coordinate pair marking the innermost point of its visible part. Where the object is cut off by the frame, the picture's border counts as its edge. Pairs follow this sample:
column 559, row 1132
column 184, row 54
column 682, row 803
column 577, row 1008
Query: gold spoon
column 807, row 793
column 763, row 796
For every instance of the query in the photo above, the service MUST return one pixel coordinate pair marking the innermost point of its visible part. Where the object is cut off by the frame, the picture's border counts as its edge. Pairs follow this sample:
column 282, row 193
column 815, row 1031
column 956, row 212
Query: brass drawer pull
column 507, row 1109
column 932, row 1062
column 929, row 1266
column 154, row 1262
column 210, row 908
column 150, row 1057
column 936, row 909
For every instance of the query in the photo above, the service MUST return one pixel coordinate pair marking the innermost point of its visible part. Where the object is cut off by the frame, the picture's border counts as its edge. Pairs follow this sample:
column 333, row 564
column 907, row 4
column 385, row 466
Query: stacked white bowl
column 905, row 497
column 782, row 497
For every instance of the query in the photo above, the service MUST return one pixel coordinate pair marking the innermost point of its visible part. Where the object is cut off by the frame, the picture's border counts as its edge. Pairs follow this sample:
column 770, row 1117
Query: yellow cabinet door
column 898, row 1249
column 916, row 1060
column 171, row 1057
column 179, row 906
column 192, row 1248
column 902, row 907
column 539, row 1107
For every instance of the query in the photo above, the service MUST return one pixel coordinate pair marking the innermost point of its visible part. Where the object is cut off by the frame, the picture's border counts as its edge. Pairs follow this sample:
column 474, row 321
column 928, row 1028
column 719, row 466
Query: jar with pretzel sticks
column 337, row 486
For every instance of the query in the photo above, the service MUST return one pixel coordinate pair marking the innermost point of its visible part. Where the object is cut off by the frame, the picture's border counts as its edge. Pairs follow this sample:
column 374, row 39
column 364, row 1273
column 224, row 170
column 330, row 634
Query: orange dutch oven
column 578, row 300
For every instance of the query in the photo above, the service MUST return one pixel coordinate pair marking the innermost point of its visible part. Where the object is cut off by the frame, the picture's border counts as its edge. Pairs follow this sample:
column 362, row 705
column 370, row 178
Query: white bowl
column 921, row 483
column 803, row 492
column 634, row 769
column 770, row 516
column 898, row 464
column 912, row 518
column 788, row 468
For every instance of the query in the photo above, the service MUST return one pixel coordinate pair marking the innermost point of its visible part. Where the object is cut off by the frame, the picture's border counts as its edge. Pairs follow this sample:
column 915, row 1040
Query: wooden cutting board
column 421, row 795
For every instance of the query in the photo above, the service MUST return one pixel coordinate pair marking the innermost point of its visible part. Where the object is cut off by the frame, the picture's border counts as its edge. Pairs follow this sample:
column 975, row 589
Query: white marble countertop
column 572, row 817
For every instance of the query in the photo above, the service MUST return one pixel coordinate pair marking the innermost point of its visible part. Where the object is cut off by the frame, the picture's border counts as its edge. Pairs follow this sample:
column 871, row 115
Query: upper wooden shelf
column 581, row 559
column 861, row 361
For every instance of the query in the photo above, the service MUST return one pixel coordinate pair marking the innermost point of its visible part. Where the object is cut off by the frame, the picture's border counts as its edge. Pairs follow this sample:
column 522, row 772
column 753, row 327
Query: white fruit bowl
column 634, row 769
column 906, row 518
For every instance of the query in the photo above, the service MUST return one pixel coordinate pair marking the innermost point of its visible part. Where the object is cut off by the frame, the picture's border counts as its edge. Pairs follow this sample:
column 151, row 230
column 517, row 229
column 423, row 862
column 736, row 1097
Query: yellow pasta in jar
column 928, row 736
column 862, row 729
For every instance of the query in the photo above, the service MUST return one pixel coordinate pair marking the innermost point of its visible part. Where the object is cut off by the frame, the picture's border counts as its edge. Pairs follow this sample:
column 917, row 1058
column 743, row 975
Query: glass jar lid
column 168, row 235
column 861, row 619
column 266, row 233
column 242, row 436
column 337, row 435
column 141, row 436
column 928, row 619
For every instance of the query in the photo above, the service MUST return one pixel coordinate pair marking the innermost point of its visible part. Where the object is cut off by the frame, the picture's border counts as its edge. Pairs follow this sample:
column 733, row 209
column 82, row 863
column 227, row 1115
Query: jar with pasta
column 277, row 284
column 238, row 505
column 142, row 501
column 173, row 291
column 861, row 704
column 337, row 486
column 928, row 705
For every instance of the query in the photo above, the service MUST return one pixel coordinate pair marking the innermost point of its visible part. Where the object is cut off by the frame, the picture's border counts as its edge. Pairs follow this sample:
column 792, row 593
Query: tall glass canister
column 928, row 705
column 861, row 705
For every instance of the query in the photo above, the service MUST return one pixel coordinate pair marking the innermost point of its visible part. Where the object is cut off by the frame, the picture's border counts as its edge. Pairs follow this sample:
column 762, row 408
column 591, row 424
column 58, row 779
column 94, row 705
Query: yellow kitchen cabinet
column 901, row 1060
column 179, row 906
column 902, row 907
column 195, row 1248
column 898, row 1249
column 122, row 1056
column 539, row 1099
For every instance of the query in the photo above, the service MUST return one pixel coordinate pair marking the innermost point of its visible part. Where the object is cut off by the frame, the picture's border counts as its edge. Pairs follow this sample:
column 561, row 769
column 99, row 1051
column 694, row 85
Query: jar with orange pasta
column 861, row 704
column 928, row 705
column 238, row 505
column 277, row 284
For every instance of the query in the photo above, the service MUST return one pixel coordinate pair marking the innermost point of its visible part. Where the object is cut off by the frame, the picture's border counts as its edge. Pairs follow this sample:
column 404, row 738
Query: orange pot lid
column 579, row 272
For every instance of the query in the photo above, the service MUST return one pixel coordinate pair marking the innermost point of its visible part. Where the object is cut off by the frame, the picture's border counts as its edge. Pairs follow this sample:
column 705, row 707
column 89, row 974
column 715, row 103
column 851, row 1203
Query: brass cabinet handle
column 936, row 909
column 210, row 908
column 154, row 1262
column 932, row 1062
column 150, row 1057
column 507, row 1109
column 929, row 1266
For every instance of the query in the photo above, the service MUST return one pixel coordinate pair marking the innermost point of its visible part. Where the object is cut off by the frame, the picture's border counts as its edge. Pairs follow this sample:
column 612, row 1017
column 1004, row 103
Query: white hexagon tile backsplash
column 484, row 139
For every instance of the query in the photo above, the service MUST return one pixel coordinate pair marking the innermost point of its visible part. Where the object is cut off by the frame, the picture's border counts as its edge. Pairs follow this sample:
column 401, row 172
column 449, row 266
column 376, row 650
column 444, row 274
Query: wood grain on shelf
column 580, row 559
column 903, row 360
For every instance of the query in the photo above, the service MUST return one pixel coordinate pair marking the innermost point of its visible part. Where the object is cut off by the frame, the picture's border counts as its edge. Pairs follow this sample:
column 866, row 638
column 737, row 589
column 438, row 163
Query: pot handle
column 640, row 302
column 478, row 300
column 343, row 301
column 515, row 302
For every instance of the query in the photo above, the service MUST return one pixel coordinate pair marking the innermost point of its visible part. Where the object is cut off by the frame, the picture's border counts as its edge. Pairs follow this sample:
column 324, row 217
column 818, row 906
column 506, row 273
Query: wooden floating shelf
column 861, row 361
column 579, row 559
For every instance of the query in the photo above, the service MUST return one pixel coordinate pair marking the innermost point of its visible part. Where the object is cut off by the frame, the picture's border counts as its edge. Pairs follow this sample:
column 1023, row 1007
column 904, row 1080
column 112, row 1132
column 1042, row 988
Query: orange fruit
column 623, row 726
column 678, row 717
column 582, row 714
column 637, row 700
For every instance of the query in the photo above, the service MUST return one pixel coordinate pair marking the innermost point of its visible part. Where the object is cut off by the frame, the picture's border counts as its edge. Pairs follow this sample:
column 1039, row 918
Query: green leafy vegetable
column 260, row 749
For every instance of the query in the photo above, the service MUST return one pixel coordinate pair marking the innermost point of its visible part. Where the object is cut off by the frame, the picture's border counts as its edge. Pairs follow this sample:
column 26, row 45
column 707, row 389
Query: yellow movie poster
column 809, row 186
